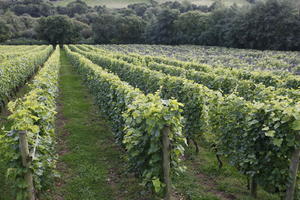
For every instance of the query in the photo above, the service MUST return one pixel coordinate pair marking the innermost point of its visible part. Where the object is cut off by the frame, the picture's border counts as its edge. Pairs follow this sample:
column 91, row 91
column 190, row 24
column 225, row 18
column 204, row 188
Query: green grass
column 5, row 188
column 124, row 3
column 203, row 180
column 91, row 165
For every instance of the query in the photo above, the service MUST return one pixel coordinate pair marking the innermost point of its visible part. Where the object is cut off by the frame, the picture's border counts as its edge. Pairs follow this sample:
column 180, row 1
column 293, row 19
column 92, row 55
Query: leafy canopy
column 58, row 30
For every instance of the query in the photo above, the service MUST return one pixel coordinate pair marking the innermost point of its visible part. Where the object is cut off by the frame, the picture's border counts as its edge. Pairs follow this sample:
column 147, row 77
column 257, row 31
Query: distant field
column 279, row 61
column 124, row 3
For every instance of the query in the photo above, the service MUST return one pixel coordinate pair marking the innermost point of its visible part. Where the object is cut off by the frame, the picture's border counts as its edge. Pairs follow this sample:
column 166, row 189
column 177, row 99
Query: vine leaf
column 296, row 125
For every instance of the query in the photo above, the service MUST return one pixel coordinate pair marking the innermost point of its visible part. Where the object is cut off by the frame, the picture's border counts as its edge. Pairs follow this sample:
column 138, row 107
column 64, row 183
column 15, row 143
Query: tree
column 161, row 29
column 58, row 30
column 17, row 25
column 130, row 29
column 104, row 28
column 251, row 1
column 139, row 8
column 34, row 9
column 77, row 7
column 4, row 32
column 189, row 27
column 218, row 22
column 267, row 25
column 116, row 28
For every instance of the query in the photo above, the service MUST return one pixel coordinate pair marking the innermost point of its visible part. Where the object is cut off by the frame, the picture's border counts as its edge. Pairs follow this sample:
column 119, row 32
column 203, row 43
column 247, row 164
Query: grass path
column 90, row 163
column 203, row 179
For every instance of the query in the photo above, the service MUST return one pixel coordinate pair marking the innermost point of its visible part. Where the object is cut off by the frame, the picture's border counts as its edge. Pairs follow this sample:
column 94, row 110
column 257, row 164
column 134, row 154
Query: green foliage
column 219, row 77
column 109, row 28
column 217, row 59
column 15, row 72
column 58, row 30
column 10, row 51
column 257, row 136
column 189, row 27
column 256, row 24
column 145, row 121
column 34, row 114
column 19, row 26
column 162, row 29
column 195, row 71
column 138, row 120
column 248, row 25
column 104, row 29
column 228, row 82
column 77, row 7
column 262, row 141
column 194, row 96
column 35, row 8
column 4, row 32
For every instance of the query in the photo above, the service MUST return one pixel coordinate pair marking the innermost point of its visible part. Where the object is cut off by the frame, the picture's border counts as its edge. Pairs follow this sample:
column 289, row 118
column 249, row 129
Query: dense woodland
column 273, row 24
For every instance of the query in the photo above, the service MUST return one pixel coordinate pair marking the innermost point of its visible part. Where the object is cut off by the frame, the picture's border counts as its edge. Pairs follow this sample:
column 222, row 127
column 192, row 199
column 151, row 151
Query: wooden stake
column 166, row 161
column 253, row 187
column 196, row 146
column 293, row 175
column 26, row 161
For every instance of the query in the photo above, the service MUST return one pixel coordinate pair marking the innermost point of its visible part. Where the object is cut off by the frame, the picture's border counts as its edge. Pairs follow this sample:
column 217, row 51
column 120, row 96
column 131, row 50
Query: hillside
column 124, row 3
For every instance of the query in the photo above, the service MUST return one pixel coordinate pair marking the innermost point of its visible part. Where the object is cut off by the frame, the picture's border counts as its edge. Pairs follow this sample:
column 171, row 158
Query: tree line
column 270, row 24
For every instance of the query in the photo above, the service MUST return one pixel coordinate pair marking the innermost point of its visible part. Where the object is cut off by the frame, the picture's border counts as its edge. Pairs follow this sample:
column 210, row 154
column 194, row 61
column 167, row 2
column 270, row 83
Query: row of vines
column 254, row 125
column 279, row 61
column 159, row 106
column 149, row 127
column 28, row 146
column 16, row 71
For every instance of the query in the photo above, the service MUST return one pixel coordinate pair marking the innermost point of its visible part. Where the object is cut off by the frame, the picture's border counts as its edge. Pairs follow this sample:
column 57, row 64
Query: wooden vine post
column 293, row 174
column 166, row 161
column 253, row 187
column 26, row 161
